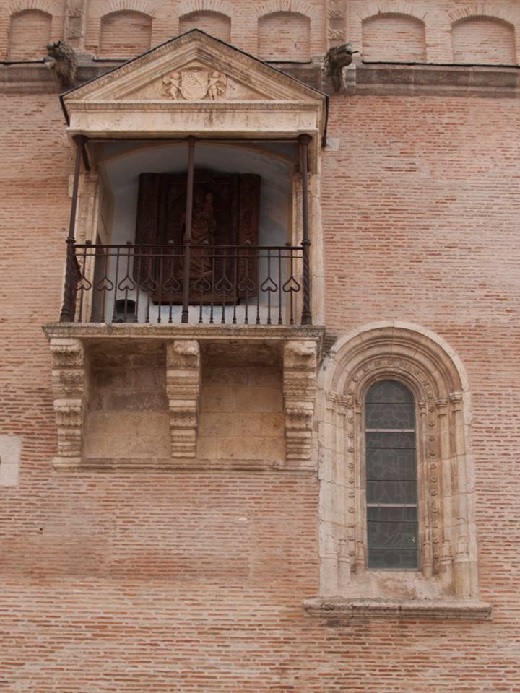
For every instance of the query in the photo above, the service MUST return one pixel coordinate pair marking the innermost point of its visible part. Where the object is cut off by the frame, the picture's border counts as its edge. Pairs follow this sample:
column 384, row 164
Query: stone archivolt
column 448, row 552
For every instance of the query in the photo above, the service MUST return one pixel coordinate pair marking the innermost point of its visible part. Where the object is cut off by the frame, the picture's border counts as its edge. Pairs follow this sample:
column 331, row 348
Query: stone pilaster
column 336, row 22
column 75, row 23
column 299, row 387
column 70, row 390
column 183, row 390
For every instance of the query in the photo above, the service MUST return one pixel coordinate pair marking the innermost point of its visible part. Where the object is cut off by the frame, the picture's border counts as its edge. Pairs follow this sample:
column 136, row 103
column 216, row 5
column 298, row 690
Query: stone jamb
column 426, row 364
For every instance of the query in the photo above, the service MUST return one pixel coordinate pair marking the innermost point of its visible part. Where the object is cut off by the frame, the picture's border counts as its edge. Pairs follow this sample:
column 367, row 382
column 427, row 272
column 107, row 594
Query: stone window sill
column 415, row 609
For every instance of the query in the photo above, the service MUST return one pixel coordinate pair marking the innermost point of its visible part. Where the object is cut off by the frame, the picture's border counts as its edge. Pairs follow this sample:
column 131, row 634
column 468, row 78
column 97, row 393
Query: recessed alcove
column 127, row 416
column 241, row 402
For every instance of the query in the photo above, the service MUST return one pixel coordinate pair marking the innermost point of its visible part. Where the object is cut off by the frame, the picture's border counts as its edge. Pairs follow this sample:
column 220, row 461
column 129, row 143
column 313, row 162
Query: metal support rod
column 71, row 268
column 304, row 141
column 187, row 233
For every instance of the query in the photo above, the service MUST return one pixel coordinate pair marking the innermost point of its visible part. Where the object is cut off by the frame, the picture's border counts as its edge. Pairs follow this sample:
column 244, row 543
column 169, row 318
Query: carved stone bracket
column 299, row 386
column 70, row 392
column 183, row 388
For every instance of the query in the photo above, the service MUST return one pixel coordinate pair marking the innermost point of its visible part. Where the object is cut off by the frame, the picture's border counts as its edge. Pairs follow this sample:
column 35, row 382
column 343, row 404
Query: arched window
column 396, row 499
column 391, row 477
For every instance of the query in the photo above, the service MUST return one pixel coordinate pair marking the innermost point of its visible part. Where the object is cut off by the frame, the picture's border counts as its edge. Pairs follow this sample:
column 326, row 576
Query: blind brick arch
column 429, row 368
column 214, row 23
column 29, row 34
column 125, row 34
column 284, row 36
column 394, row 38
column 483, row 40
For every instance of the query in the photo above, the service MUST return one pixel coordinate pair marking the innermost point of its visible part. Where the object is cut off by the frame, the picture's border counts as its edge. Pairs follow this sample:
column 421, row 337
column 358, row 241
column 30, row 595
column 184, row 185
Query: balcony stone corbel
column 183, row 390
column 299, row 386
column 70, row 390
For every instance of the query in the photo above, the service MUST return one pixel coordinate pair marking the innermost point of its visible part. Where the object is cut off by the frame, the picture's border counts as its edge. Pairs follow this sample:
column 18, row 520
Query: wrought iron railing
column 225, row 284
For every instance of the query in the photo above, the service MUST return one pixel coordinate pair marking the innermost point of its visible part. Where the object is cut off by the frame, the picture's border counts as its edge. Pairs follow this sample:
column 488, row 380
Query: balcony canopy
column 200, row 86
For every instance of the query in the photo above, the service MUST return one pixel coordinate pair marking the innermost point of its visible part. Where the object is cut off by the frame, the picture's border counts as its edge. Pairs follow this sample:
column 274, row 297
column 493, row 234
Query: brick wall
column 484, row 41
column 125, row 34
column 392, row 37
column 284, row 36
column 440, row 31
column 194, row 580
column 214, row 23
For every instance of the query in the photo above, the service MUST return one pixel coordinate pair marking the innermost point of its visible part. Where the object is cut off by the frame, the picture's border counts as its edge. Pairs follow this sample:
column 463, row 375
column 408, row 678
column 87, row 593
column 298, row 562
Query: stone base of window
column 427, row 609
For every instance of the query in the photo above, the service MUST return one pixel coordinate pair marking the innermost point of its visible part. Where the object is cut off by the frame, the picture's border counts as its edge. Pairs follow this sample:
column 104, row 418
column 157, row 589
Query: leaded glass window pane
column 391, row 476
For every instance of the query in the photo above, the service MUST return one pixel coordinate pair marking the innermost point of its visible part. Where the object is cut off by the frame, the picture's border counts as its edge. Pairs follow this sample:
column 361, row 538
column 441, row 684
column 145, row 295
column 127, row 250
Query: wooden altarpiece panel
column 226, row 213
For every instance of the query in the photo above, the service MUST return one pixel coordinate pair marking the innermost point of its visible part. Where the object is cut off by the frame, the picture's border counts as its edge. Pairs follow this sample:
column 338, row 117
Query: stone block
column 10, row 451
column 127, row 434
column 217, row 399
column 258, row 399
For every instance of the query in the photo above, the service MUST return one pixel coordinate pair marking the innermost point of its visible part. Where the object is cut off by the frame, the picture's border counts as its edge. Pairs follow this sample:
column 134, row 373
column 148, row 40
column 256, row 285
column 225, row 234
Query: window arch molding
column 423, row 362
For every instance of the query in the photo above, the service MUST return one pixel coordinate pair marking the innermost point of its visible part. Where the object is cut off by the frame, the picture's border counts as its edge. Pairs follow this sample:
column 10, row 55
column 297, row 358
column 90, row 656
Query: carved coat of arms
column 195, row 84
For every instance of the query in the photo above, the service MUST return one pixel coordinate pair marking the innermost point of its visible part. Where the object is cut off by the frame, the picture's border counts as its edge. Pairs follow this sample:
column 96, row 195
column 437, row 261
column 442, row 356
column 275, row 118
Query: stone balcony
column 163, row 396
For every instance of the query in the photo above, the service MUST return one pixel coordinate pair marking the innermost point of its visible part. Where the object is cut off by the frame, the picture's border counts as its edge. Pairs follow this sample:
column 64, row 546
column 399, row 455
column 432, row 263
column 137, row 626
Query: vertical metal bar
column 187, row 234
column 235, row 285
column 116, row 285
column 69, row 289
column 280, row 285
column 304, row 167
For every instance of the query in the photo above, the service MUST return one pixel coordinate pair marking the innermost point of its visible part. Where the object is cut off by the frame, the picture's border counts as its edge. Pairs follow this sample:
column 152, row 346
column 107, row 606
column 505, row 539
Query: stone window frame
column 426, row 364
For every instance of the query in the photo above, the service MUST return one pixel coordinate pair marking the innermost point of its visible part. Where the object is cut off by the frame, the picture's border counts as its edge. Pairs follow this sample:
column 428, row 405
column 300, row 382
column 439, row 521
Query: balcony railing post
column 187, row 233
column 71, row 268
column 304, row 168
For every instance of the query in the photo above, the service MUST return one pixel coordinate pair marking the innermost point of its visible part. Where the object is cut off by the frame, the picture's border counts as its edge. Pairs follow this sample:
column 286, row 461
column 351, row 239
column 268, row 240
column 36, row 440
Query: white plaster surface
column 10, row 450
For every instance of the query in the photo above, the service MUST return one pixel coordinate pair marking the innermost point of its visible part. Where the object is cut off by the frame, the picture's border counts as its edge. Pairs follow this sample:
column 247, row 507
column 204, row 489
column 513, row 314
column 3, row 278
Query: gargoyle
column 63, row 62
column 336, row 59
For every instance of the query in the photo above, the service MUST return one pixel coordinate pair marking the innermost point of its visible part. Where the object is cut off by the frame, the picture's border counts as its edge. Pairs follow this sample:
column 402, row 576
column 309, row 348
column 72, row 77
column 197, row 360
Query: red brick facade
column 194, row 580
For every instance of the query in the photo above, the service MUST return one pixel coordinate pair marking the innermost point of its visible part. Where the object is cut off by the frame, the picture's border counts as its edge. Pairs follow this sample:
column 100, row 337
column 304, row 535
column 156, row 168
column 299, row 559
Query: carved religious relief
column 195, row 84
column 225, row 213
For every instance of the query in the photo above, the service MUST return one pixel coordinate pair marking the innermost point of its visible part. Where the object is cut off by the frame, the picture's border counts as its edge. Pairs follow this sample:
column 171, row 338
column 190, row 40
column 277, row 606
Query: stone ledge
column 37, row 78
column 427, row 609
column 166, row 464
column 359, row 79
column 101, row 331
column 439, row 80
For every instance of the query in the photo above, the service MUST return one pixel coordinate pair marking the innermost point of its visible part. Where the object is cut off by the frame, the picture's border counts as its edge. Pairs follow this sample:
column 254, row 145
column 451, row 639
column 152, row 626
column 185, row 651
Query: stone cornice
column 363, row 79
column 436, row 80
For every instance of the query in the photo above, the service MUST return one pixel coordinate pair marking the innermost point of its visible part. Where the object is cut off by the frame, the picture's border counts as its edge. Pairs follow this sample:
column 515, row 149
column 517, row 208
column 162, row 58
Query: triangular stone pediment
column 194, row 67
column 196, row 85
